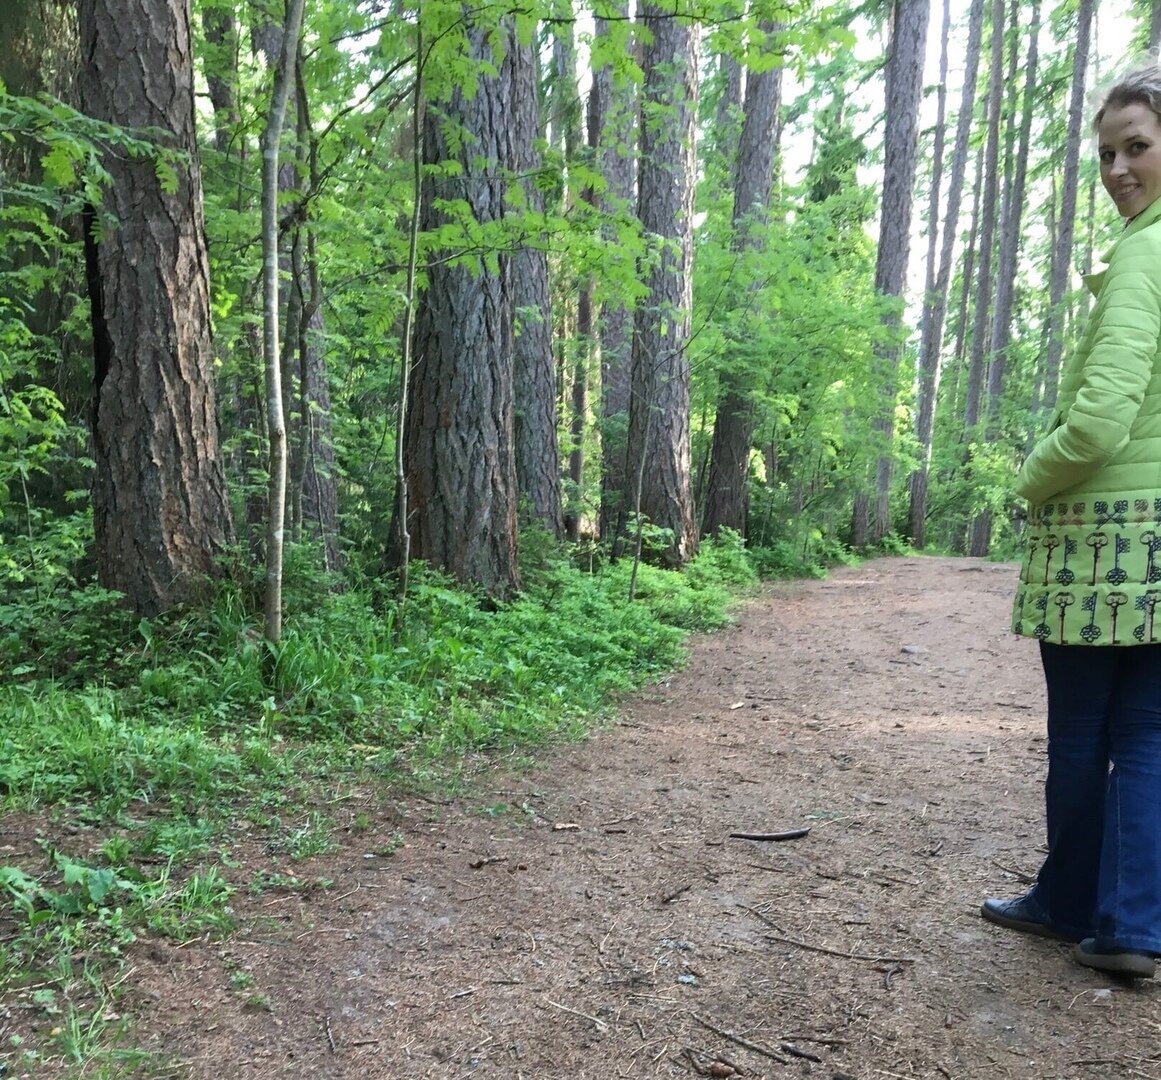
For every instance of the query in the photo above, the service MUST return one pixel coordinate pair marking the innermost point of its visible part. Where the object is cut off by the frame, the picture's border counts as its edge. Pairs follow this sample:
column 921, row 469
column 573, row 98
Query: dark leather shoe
column 1116, row 961
column 1022, row 914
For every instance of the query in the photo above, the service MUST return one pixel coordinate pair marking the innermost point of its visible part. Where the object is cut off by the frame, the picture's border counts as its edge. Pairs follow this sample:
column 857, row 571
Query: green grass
column 145, row 757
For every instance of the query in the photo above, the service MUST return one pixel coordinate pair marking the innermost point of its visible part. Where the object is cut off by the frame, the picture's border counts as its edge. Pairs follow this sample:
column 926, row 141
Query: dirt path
column 606, row 925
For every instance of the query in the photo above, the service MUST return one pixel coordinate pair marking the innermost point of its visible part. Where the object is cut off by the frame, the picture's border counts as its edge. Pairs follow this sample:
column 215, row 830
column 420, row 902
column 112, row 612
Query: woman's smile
column 1130, row 156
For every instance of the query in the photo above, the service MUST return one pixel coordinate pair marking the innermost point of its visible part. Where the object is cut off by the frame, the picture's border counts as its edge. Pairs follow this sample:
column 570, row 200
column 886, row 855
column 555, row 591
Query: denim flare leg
column 1102, row 876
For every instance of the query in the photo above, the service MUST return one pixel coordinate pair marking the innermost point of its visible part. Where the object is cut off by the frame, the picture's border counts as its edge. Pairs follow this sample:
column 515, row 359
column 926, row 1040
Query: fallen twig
column 487, row 860
column 1020, row 875
column 676, row 893
column 873, row 958
column 825, row 949
column 573, row 1012
column 773, row 1055
column 793, row 1051
column 330, row 1034
column 791, row 834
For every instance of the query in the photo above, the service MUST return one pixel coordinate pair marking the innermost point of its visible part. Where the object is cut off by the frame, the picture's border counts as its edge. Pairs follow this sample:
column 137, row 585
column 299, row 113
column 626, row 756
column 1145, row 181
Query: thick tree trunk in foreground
column 160, row 510
column 458, row 446
column 659, row 448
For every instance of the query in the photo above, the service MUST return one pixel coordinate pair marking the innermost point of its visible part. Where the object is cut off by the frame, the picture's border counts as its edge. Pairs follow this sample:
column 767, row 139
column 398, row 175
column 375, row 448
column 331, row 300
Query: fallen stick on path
column 792, row 834
column 745, row 1043
column 877, row 958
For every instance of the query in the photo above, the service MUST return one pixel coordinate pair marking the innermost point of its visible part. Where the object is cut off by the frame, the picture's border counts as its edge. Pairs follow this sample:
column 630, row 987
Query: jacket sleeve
column 1114, row 376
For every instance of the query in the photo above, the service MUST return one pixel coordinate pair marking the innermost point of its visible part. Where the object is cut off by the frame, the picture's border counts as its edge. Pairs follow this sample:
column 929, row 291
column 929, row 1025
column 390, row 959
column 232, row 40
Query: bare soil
column 592, row 917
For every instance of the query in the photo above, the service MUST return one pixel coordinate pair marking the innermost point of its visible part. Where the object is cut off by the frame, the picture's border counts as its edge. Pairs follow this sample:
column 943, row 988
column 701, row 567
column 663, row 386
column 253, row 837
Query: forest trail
column 591, row 918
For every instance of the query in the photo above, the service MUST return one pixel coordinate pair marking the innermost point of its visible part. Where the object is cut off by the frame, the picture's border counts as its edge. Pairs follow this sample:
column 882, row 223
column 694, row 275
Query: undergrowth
column 137, row 754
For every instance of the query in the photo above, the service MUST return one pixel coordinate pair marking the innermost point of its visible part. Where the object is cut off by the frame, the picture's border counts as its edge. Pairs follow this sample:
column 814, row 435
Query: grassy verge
column 135, row 759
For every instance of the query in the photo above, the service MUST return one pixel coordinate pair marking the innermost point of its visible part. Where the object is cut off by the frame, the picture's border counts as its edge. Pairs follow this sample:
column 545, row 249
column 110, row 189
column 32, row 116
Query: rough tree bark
column 659, row 420
column 458, row 448
column 984, row 283
column 1066, row 219
column 316, row 471
column 939, row 273
column 904, row 85
column 612, row 137
column 567, row 114
column 1001, row 335
column 160, row 509
column 727, row 493
column 534, row 365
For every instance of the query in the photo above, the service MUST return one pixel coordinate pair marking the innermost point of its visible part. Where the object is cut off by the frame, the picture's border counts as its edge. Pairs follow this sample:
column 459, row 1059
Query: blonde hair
column 1140, row 87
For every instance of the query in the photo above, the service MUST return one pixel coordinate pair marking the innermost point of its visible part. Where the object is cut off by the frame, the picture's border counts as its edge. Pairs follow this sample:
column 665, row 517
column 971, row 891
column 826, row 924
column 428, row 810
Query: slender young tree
column 272, row 356
column 659, row 418
column 160, row 508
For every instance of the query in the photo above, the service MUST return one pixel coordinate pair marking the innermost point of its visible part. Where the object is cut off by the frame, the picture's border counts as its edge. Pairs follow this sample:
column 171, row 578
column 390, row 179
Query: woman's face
column 1129, row 139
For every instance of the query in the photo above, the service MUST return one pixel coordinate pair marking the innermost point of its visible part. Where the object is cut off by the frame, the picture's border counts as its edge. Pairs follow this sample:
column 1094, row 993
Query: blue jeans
column 1102, row 876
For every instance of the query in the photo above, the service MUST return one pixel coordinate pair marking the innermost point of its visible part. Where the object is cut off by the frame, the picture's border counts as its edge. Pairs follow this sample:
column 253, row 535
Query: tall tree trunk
column 458, row 447
column 612, row 137
column 1010, row 232
column 1155, row 26
column 983, row 301
column 581, row 365
column 904, row 79
column 568, row 115
column 1016, row 172
column 1066, row 221
column 939, row 274
column 968, row 278
column 222, row 57
column 316, row 480
column 534, row 365
column 659, row 407
column 728, row 116
column 727, row 502
column 160, row 508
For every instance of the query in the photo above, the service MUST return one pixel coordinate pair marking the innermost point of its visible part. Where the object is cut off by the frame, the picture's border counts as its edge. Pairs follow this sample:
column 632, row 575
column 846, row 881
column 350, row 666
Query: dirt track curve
column 606, row 925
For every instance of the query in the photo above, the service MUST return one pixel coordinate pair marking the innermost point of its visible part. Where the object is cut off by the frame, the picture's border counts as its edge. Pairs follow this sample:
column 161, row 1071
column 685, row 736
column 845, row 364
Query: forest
column 387, row 382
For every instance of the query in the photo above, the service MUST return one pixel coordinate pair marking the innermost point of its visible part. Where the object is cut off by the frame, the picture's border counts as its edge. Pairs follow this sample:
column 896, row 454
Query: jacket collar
column 1149, row 216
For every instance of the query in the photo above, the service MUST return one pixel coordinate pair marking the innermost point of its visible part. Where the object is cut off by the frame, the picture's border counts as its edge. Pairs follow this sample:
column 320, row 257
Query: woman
column 1091, row 580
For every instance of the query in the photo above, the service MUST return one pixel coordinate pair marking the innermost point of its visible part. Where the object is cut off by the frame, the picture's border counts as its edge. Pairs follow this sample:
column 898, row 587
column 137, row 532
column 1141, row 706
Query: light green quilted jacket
column 1091, row 571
